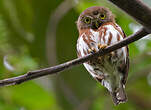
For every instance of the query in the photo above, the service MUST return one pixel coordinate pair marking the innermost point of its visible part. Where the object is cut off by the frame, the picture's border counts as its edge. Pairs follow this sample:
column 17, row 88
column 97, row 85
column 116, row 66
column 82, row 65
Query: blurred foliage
column 24, row 25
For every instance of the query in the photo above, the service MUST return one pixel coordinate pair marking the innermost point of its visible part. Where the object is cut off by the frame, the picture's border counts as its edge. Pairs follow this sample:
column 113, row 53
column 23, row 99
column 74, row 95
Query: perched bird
column 97, row 30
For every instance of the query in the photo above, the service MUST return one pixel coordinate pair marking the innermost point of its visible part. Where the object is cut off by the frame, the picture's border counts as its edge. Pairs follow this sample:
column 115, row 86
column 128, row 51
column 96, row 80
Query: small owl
column 97, row 30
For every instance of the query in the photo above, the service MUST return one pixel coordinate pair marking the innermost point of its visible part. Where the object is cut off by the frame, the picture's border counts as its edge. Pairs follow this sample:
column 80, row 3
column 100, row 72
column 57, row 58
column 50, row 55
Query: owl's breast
column 106, row 34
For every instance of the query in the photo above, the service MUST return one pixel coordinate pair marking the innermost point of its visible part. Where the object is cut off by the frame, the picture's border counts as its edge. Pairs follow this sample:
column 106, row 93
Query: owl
column 97, row 30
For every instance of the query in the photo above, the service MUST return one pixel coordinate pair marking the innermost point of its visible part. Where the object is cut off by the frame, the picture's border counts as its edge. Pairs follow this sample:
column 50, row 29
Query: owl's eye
column 87, row 20
column 102, row 16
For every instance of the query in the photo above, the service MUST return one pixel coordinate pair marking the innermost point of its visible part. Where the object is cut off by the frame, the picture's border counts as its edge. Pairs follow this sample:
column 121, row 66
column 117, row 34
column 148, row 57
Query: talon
column 92, row 50
column 102, row 46
column 99, row 45
column 89, row 50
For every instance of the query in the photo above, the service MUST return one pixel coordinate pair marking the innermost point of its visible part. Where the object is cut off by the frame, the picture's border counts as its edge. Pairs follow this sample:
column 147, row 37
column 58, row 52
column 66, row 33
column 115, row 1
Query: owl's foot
column 92, row 50
column 102, row 46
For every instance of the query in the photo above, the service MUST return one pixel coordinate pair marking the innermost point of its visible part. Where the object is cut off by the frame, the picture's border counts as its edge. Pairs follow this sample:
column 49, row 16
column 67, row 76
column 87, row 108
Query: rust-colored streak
column 105, row 29
column 117, row 28
column 110, row 38
column 86, row 41
column 79, row 53
column 100, row 35
column 118, row 37
column 85, row 53
column 100, row 30
column 81, row 31
column 87, row 37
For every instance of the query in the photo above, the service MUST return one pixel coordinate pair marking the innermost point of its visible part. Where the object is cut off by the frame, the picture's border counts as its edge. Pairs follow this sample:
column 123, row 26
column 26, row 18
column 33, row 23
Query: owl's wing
column 125, row 66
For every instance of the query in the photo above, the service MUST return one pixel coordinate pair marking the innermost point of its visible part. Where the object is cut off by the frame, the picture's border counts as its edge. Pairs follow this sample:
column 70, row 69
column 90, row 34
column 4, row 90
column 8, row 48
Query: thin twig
column 55, row 69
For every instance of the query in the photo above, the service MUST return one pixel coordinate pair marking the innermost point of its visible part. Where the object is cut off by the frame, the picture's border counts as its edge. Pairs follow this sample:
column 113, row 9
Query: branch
column 137, row 9
column 55, row 69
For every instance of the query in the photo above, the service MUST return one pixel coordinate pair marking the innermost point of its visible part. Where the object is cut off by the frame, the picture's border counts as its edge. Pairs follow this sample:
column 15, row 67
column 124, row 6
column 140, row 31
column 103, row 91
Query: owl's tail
column 119, row 96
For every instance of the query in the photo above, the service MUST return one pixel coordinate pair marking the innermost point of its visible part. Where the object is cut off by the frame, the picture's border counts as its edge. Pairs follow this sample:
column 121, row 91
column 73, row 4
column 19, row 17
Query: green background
column 36, row 34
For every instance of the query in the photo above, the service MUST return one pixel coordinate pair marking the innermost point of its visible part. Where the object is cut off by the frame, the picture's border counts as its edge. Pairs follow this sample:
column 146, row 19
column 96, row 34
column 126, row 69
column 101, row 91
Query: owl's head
column 94, row 17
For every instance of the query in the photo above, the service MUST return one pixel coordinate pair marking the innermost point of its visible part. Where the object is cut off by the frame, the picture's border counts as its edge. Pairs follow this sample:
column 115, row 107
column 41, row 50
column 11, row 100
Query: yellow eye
column 87, row 20
column 102, row 16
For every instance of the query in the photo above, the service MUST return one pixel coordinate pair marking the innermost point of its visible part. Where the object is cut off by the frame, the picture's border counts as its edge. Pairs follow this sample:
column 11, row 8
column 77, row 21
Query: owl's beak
column 96, row 24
